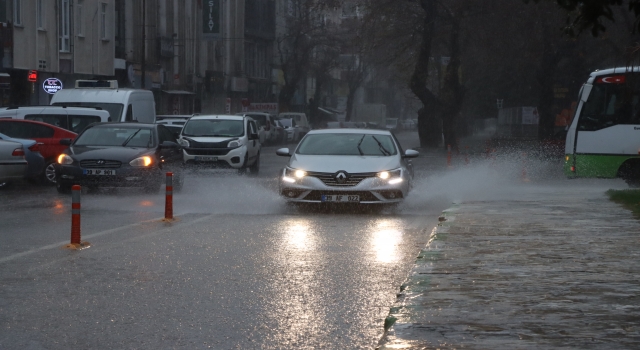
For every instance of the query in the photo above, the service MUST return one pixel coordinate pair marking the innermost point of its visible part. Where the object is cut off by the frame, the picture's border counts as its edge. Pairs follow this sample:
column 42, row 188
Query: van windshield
column 114, row 109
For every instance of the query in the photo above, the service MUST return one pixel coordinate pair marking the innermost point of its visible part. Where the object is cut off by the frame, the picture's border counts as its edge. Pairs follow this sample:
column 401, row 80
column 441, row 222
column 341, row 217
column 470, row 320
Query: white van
column 73, row 119
column 123, row 104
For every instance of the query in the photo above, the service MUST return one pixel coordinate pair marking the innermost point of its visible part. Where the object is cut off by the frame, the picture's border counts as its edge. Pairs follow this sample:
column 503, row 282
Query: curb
column 401, row 324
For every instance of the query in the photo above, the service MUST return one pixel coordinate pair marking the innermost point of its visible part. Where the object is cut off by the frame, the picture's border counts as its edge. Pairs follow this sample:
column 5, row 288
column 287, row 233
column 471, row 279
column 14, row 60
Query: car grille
column 329, row 179
column 100, row 163
column 222, row 144
column 364, row 195
column 207, row 151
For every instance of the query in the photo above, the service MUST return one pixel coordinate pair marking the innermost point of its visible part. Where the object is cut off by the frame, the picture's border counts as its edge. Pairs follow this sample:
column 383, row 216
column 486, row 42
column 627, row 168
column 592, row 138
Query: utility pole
column 144, row 43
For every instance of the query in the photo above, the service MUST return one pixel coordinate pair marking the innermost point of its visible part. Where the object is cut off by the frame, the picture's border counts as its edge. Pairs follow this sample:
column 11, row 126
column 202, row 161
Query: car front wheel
column 49, row 173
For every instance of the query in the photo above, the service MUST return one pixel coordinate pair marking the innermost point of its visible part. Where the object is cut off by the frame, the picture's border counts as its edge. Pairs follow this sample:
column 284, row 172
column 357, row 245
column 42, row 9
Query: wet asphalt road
column 239, row 269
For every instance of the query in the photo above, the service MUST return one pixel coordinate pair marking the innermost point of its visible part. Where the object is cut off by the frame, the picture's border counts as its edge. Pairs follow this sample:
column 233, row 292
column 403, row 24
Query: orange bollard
column 449, row 156
column 76, row 243
column 168, row 204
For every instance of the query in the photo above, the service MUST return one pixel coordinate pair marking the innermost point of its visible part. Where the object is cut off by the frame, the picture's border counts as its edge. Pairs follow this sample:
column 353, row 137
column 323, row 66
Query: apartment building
column 197, row 56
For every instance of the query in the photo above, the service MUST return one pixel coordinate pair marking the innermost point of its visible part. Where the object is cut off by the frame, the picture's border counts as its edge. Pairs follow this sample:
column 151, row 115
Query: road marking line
column 97, row 234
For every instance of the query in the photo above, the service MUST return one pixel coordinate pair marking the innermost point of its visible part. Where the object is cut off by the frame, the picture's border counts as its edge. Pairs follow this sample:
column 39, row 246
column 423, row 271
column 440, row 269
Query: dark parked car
column 48, row 137
column 120, row 155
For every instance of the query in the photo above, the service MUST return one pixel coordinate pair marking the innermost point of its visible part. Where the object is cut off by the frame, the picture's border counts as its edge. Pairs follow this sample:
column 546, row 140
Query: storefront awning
column 178, row 92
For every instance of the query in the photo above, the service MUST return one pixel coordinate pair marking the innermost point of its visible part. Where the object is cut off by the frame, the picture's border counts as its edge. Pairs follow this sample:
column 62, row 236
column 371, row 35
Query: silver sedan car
column 347, row 166
column 12, row 162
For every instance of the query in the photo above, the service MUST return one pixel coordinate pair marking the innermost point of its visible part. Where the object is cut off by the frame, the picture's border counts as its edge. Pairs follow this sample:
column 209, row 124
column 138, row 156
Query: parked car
column 300, row 122
column 120, row 155
column 48, row 135
column 292, row 133
column 391, row 124
column 74, row 119
column 222, row 141
column 281, row 132
column 31, row 155
column 359, row 166
column 264, row 121
column 12, row 162
column 175, row 125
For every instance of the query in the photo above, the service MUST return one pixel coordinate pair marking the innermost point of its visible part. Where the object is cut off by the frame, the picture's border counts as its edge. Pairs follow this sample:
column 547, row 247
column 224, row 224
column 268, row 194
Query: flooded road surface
column 238, row 269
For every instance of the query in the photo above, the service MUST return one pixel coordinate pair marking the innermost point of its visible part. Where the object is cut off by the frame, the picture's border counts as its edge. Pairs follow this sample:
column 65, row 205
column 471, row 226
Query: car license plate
column 207, row 159
column 340, row 198
column 99, row 172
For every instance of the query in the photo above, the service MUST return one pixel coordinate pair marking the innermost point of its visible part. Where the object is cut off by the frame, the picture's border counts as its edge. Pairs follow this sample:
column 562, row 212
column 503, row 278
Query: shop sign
column 52, row 85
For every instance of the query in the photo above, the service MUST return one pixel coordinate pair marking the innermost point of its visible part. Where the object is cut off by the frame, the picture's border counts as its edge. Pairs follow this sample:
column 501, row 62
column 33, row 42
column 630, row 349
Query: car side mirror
column 283, row 152
column 254, row 136
column 66, row 142
column 411, row 153
column 169, row 144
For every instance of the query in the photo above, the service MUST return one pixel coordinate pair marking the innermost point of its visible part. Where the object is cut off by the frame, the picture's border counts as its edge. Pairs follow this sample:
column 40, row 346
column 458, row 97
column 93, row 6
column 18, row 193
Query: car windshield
column 288, row 123
column 213, row 128
column 351, row 144
column 116, row 136
column 114, row 109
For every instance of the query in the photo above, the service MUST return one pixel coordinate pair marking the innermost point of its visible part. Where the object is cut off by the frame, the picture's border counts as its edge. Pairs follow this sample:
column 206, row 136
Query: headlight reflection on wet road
column 299, row 311
column 299, row 235
column 385, row 238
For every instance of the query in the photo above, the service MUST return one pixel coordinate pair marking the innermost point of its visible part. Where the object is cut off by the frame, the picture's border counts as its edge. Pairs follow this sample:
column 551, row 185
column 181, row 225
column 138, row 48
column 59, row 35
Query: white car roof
column 221, row 116
column 349, row 131
column 619, row 70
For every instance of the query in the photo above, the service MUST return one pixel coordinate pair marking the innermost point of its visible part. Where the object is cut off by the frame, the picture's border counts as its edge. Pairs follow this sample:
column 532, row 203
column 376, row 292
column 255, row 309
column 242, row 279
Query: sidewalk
column 545, row 264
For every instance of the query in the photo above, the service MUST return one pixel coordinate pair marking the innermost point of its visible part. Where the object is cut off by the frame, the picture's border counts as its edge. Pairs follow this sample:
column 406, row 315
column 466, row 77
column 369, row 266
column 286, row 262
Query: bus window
column 611, row 104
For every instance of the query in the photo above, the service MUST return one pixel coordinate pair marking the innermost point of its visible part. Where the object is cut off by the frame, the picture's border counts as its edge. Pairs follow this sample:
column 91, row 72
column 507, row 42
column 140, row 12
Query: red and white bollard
column 76, row 242
column 168, row 204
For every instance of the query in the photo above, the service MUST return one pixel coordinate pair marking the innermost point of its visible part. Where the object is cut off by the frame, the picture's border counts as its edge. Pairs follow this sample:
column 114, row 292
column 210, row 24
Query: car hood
column 350, row 164
column 123, row 154
column 208, row 139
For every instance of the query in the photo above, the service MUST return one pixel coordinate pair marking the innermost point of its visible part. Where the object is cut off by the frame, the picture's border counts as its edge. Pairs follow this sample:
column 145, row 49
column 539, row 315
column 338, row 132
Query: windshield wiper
column 359, row 150
column 384, row 150
column 130, row 137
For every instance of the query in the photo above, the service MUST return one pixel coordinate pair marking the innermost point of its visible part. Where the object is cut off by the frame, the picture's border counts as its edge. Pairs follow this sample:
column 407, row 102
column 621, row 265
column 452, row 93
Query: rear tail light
column 18, row 152
column 35, row 147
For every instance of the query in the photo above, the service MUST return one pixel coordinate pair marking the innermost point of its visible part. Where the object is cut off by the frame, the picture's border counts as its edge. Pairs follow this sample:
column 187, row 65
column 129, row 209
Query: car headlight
column 64, row 159
column 393, row 176
column 290, row 175
column 141, row 162
column 183, row 143
column 234, row 144
column 385, row 175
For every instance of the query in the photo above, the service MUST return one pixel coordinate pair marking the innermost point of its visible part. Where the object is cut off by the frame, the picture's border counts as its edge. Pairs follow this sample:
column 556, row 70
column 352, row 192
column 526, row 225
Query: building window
column 39, row 14
column 103, row 21
column 17, row 12
column 64, row 26
column 79, row 28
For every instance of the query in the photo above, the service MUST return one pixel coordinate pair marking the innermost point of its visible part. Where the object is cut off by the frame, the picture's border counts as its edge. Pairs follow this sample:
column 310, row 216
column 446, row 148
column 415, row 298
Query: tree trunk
column 451, row 94
column 427, row 120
